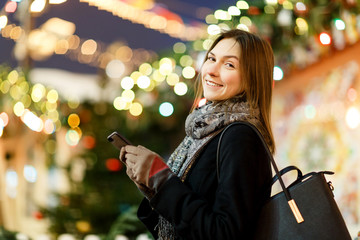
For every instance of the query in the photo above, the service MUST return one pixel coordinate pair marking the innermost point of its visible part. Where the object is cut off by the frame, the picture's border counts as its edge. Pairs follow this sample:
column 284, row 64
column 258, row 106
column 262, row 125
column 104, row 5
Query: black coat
column 203, row 207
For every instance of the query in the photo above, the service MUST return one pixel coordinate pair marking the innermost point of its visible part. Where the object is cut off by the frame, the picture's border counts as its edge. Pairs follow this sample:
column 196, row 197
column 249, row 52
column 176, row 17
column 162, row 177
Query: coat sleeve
column 233, row 214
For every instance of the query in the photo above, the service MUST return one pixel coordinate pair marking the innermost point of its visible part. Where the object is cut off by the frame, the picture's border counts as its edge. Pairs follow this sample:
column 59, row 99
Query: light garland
column 149, row 19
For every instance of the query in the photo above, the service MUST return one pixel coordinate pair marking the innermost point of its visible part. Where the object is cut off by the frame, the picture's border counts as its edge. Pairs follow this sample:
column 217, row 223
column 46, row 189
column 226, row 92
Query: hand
column 139, row 161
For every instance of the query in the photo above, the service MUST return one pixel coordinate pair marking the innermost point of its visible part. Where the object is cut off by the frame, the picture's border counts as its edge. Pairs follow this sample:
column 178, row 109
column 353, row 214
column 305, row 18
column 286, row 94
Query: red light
column 113, row 164
column 10, row 7
column 325, row 38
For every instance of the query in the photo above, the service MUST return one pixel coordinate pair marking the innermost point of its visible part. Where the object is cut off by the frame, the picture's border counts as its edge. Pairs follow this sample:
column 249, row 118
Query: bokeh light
column 145, row 69
column 339, row 24
column 10, row 6
column 5, row 118
column 179, row 47
column 52, row 96
column 310, row 111
column 143, row 82
column 325, row 38
column 73, row 120
column 135, row 109
column 188, row 72
column 32, row 121
column 3, row 21
column 166, row 109
column 278, row 73
column 113, row 164
column 89, row 47
column 234, row 11
column 37, row 6
column 242, row 5
column 181, row 88
column 352, row 117
column 127, row 83
column 115, row 69
column 172, row 79
column 30, row 173
column 49, row 126
column 38, row 92
column 72, row 137
column 19, row 109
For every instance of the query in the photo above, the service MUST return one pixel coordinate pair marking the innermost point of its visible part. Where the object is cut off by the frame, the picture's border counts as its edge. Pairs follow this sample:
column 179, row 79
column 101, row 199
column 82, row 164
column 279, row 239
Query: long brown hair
column 256, row 69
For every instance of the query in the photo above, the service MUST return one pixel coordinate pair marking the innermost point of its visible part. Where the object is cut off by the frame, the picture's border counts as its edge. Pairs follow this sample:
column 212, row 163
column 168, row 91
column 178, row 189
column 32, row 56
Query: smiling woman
column 184, row 199
column 221, row 71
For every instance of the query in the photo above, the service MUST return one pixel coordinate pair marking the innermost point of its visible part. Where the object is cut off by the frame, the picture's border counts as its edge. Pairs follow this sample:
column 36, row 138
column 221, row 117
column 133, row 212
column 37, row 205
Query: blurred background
column 72, row 72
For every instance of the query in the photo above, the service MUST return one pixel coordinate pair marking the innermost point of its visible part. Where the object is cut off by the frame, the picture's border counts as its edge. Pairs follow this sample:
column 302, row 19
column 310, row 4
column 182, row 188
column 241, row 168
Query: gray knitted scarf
column 200, row 127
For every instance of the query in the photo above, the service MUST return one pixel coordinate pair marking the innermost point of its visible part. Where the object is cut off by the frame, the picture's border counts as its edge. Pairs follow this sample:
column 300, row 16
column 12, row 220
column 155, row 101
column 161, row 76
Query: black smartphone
column 118, row 140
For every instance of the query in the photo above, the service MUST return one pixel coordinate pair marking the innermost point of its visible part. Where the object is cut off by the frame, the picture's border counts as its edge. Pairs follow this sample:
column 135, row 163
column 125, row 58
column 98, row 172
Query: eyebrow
column 226, row 56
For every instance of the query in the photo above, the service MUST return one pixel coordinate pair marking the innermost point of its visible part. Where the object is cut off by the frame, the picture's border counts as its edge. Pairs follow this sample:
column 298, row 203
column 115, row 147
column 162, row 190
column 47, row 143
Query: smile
column 212, row 84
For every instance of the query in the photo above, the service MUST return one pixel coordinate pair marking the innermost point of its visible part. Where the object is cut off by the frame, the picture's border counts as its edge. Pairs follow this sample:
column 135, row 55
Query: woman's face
column 221, row 71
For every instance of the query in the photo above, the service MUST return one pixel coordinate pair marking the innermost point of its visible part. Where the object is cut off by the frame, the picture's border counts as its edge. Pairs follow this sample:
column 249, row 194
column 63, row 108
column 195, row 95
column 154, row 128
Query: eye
column 211, row 58
column 230, row 65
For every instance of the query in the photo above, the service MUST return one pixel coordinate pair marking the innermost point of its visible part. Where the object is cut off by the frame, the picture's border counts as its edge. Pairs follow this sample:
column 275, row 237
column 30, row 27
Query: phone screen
column 118, row 140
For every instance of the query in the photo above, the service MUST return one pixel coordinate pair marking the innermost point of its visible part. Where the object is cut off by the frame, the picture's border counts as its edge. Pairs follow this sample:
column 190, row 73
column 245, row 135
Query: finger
column 122, row 155
column 131, row 149
column 131, row 158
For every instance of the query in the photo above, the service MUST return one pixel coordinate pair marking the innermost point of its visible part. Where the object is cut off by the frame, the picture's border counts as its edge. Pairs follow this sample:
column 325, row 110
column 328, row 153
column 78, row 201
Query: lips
column 212, row 84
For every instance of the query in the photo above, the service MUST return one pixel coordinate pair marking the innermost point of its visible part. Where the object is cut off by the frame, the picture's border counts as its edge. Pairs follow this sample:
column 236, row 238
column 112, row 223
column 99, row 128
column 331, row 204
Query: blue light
column 166, row 109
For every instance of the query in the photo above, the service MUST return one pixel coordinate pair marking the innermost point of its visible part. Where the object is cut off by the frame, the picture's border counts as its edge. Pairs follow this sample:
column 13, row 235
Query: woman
column 184, row 197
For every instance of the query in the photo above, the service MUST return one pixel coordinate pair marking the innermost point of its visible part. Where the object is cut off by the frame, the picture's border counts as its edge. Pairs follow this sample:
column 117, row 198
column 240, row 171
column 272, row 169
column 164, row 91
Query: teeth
column 213, row 84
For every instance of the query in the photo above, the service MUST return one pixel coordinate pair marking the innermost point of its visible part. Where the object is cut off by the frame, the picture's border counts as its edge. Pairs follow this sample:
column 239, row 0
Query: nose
column 213, row 69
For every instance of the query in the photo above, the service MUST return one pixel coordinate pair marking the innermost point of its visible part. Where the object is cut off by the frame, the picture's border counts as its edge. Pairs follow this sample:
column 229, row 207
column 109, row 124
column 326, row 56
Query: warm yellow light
column 49, row 126
column 3, row 21
column 74, row 42
column 186, row 60
column 213, row 29
column 145, row 69
column 288, row 5
column 89, row 47
column 181, row 88
column 127, row 83
column 51, row 106
column 179, row 47
column 120, row 103
column 210, row 19
column 73, row 120
column 271, row 2
column 301, row 26
column 19, row 109
column 59, row 26
column 124, row 53
column 242, row 5
column 15, row 92
column 115, row 69
column 135, row 75
column 234, row 11
column 57, row 1
column 52, row 96
column 38, row 92
column 157, row 76
column 143, row 82
column 158, row 22
column 188, row 72
column 62, row 46
column 128, row 95
column 136, row 109
column 37, row 6
column 5, row 86
column 13, row 76
column 207, row 43
column 242, row 27
column 172, row 79
column 353, row 117
column 222, row 15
